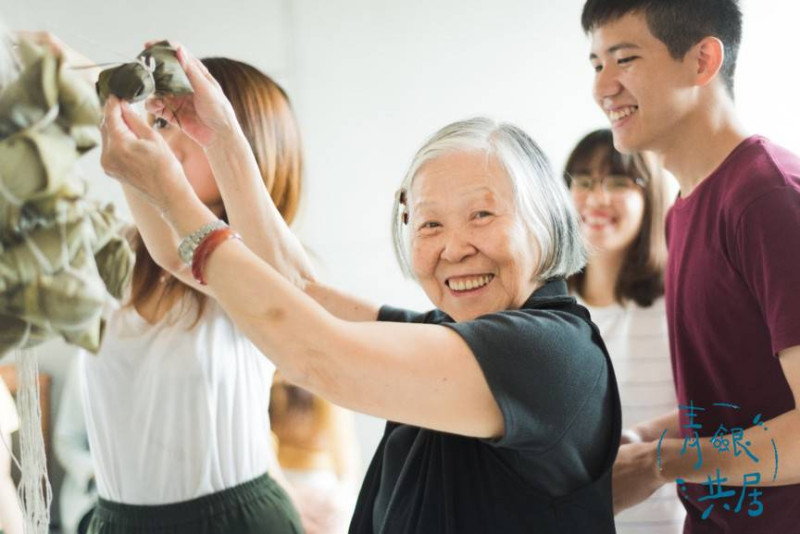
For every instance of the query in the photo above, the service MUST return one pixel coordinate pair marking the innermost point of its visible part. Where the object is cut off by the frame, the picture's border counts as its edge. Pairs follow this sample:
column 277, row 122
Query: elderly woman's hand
column 206, row 115
column 136, row 155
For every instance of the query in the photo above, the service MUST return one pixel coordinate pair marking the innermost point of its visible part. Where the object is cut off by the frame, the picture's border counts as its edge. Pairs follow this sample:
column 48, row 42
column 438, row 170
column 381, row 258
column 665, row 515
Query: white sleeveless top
column 174, row 413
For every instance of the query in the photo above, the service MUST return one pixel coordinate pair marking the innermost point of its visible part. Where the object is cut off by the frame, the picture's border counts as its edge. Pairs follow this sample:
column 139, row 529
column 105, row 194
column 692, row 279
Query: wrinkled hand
column 136, row 155
column 205, row 115
column 85, row 67
column 635, row 475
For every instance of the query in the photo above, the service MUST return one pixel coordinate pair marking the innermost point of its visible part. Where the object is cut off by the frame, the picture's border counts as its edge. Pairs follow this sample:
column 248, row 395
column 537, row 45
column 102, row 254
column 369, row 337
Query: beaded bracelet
column 209, row 243
column 190, row 243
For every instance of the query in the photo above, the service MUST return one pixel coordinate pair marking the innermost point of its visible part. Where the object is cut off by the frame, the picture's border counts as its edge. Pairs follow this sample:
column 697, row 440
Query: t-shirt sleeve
column 398, row 315
column 768, row 249
column 542, row 368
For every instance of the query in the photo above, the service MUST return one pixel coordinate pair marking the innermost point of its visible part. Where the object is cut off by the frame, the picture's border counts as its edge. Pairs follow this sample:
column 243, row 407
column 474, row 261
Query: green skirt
column 259, row 506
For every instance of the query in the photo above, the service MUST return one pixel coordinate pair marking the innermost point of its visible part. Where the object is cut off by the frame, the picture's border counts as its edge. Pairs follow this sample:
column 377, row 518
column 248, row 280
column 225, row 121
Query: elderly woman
column 503, row 405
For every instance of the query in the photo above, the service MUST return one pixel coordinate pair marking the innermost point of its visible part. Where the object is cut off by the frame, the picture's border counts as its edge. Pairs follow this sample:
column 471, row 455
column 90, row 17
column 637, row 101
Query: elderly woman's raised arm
column 390, row 370
column 250, row 209
column 424, row 375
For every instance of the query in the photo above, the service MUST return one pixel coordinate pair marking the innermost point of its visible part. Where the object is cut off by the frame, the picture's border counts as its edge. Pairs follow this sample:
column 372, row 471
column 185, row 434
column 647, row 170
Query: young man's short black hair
column 679, row 24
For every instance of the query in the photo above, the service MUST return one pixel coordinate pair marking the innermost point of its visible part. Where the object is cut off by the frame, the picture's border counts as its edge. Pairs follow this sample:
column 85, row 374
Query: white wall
column 370, row 79
column 768, row 75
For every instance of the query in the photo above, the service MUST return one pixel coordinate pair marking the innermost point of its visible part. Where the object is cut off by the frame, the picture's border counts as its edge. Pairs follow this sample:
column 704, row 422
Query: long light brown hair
column 642, row 276
column 265, row 114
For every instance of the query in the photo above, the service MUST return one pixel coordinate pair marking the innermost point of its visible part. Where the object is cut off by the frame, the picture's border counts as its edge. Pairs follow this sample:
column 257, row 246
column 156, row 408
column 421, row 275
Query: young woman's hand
column 206, row 115
column 136, row 155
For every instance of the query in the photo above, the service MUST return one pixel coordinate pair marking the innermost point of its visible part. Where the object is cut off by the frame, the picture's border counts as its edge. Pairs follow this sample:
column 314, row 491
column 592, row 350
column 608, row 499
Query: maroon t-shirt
column 733, row 303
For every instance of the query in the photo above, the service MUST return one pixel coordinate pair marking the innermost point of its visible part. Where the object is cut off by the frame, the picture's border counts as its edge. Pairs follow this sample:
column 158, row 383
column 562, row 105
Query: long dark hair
column 642, row 277
column 268, row 122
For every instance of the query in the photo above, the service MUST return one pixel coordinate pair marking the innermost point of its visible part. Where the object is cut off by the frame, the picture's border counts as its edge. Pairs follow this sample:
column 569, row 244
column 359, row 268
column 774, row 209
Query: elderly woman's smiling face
column 469, row 248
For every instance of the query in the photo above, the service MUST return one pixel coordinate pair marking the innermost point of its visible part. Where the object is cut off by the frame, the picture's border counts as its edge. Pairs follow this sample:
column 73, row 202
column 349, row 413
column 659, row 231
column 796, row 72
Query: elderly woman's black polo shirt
column 550, row 472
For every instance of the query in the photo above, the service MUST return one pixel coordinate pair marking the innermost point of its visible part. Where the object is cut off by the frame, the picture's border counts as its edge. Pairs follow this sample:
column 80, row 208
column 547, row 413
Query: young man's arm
column 641, row 468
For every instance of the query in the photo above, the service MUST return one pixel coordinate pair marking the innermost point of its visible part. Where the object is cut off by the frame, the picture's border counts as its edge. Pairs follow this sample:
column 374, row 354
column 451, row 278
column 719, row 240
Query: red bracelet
column 206, row 247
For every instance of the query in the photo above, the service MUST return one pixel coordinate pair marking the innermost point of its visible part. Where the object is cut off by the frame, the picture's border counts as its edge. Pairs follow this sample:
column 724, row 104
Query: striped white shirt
column 638, row 343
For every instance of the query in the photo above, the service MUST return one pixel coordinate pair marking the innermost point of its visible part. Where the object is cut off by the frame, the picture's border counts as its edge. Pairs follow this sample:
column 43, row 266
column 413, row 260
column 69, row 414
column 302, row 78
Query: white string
column 8, row 196
column 71, row 37
column 62, row 232
column 149, row 63
column 35, row 491
column 46, row 120
column 38, row 254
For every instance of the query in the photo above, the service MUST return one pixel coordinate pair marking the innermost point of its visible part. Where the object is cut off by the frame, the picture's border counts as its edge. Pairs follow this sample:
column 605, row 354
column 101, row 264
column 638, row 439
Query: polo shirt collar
column 555, row 288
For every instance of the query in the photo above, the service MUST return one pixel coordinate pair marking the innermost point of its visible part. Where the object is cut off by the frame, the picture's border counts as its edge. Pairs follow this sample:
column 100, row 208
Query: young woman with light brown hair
column 177, row 399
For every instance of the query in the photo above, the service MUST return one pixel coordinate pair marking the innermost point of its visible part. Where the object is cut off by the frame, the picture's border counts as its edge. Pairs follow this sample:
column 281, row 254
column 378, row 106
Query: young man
column 664, row 77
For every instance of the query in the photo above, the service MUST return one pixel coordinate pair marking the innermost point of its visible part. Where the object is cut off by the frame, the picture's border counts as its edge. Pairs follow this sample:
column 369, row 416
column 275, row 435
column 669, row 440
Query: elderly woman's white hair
column 544, row 204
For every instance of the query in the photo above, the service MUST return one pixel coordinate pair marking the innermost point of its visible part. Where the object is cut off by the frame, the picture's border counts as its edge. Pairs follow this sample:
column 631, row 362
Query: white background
column 371, row 79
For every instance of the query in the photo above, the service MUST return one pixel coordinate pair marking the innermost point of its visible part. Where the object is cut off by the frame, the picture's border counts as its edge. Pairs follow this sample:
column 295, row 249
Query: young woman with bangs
column 622, row 201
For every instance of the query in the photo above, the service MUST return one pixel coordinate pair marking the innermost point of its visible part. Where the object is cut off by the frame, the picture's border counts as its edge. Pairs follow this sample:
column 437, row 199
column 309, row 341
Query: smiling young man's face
column 642, row 89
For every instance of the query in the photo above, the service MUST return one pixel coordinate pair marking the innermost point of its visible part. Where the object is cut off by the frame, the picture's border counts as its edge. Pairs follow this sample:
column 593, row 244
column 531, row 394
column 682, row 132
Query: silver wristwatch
column 190, row 243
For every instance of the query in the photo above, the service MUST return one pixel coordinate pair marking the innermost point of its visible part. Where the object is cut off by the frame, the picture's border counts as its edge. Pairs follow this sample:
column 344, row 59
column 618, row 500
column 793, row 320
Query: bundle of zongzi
column 61, row 256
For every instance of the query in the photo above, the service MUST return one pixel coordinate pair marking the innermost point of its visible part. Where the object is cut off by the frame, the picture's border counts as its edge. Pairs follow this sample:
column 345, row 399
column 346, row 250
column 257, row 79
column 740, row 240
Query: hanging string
column 96, row 65
column 72, row 37
column 35, row 491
